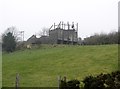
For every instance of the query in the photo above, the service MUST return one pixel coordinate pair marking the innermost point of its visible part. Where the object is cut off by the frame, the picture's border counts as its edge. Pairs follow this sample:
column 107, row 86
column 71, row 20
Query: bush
column 103, row 81
column 72, row 84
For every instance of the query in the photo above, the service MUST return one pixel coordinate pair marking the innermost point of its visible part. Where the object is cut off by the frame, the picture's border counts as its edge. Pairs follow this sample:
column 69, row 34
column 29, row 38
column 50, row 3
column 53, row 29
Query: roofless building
column 60, row 34
column 64, row 33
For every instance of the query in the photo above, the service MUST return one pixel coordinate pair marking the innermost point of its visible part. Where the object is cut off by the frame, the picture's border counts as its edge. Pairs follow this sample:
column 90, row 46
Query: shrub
column 72, row 84
column 103, row 81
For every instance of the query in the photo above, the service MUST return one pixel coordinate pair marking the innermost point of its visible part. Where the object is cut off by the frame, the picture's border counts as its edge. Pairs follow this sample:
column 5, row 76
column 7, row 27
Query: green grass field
column 41, row 67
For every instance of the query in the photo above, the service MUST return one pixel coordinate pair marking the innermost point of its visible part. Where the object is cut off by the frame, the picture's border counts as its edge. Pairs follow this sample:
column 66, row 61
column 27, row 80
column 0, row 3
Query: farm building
column 58, row 34
column 33, row 40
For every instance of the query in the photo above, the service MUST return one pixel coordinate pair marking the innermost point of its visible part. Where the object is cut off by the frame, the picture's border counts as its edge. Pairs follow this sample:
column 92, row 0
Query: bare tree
column 0, row 38
column 44, row 32
column 14, row 32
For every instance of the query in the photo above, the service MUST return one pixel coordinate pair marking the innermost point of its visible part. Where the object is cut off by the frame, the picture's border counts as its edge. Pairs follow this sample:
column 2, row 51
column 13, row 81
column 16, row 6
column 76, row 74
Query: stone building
column 62, row 36
column 33, row 40
column 58, row 35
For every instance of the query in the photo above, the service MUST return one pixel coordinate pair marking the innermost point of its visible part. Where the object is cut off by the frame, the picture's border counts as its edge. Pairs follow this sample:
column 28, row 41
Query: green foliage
column 9, row 43
column 103, row 81
column 72, row 84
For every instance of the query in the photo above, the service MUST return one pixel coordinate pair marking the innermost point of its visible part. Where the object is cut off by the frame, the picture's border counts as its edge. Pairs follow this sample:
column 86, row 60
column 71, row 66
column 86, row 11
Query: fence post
column 59, row 81
column 17, row 81
column 64, row 79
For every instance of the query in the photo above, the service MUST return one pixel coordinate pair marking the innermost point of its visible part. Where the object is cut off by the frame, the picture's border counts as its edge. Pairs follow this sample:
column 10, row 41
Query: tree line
column 103, row 38
column 10, row 38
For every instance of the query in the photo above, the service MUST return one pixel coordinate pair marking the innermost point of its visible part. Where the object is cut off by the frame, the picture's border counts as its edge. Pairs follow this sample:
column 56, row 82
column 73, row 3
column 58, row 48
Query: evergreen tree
column 9, row 42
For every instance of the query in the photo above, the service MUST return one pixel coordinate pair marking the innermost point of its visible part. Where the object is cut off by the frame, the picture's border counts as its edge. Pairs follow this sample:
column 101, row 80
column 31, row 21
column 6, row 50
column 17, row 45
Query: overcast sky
column 93, row 16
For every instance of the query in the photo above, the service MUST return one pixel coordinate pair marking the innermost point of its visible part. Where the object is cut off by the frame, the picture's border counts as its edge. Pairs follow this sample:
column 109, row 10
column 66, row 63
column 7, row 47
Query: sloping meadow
column 41, row 67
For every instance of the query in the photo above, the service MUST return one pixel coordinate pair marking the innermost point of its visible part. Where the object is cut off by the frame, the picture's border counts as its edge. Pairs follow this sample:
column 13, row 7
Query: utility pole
column 68, row 31
column 22, row 35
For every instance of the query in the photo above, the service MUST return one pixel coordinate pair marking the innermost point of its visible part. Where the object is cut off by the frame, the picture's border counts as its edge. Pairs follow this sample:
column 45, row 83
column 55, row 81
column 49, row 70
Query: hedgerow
column 101, row 81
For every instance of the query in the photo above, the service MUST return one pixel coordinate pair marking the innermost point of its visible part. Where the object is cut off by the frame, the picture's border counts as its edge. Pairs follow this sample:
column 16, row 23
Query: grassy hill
column 41, row 67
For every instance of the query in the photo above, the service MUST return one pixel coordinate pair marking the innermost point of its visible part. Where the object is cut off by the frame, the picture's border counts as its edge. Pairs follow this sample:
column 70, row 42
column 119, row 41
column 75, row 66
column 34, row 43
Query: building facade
column 58, row 35
column 62, row 36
